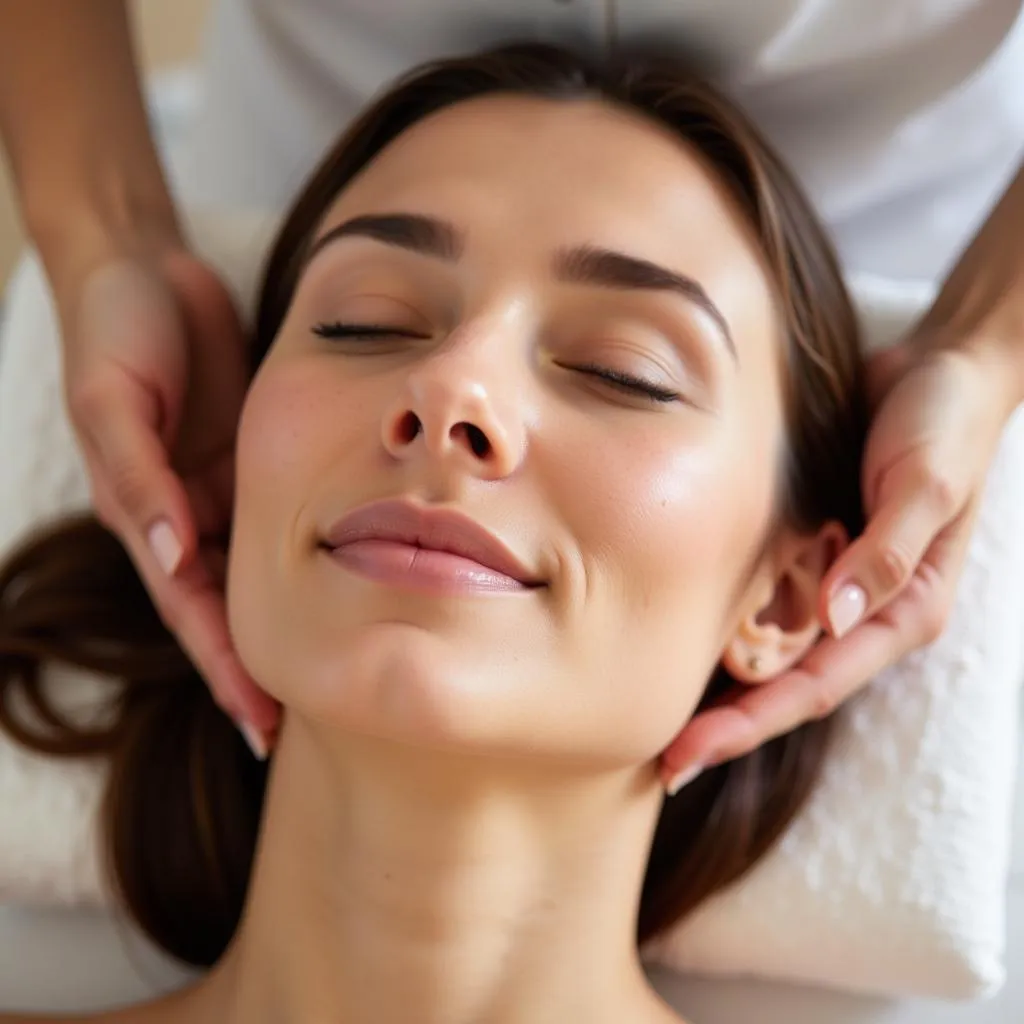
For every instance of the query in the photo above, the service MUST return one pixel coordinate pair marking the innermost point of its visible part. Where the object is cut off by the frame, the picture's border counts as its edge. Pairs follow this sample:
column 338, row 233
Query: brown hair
column 184, row 796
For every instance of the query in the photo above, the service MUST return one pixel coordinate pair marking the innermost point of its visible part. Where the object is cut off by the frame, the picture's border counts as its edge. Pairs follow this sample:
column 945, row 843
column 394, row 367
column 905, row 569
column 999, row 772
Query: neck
column 393, row 884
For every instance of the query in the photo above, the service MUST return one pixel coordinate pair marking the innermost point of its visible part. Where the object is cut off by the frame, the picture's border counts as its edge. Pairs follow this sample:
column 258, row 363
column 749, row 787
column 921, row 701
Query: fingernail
column 256, row 743
column 683, row 778
column 165, row 546
column 846, row 608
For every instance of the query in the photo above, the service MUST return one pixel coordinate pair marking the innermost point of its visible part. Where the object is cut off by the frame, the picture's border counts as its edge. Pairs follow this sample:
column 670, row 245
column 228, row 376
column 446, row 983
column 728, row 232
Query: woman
column 558, row 403
column 903, row 119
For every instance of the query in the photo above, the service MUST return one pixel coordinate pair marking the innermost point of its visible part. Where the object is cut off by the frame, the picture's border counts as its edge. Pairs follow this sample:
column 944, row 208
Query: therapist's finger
column 832, row 672
column 136, row 493
column 747, row 717
column 191, row 605
column 913, row 507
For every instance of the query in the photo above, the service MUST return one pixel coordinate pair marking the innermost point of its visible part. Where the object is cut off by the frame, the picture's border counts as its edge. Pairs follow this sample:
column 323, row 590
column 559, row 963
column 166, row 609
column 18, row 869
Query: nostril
column 408, row 428
column 477, row 441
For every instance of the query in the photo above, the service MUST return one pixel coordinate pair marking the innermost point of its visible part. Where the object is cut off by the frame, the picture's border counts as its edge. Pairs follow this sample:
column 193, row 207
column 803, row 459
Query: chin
column 409, row 684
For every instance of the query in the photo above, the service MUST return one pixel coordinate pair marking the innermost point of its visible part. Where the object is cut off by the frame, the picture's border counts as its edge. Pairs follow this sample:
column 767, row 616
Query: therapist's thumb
column 126, row 362
column 880, row 563
column 136, row 493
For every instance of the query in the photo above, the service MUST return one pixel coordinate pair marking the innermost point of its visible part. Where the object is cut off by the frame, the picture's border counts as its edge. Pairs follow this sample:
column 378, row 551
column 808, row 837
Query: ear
column 779, row 621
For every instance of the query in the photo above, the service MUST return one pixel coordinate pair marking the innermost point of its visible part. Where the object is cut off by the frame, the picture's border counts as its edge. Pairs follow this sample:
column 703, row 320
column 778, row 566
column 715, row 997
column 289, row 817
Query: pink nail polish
column 846, row 608
column 683, row 778
column 255, row 741
column 165, row 546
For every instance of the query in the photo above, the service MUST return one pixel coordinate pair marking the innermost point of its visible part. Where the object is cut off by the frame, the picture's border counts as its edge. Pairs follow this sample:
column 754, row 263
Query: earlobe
column 777, row 625
column 782, row 622
column 768, row 653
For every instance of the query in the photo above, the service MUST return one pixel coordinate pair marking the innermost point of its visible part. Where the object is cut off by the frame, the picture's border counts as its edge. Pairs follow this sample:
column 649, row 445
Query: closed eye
column 626, row 382
column 337, row 329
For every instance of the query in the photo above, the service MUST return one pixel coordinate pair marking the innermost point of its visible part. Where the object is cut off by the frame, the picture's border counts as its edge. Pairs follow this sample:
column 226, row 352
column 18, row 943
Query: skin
column 464, row 789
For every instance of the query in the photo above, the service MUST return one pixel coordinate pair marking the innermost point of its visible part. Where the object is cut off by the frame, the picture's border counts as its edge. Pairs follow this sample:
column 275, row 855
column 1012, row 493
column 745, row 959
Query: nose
column 455, row 407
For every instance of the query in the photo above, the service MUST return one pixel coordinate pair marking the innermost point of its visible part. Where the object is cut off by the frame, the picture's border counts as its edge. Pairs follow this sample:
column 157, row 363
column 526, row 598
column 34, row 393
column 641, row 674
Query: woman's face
column 514, row 255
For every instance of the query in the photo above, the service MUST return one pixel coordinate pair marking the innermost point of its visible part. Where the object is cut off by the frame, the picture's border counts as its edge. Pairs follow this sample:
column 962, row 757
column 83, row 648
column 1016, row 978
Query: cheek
column 666, row 529
column 302, row 426
column 670, row 518
column 290, row 439
column 275, row 453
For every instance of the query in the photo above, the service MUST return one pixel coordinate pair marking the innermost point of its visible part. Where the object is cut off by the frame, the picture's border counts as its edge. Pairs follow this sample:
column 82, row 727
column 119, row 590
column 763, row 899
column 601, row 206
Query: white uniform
column 903, row 118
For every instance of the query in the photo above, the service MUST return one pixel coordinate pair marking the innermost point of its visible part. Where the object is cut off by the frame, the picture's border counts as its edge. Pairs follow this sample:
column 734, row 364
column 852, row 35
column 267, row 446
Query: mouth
column 402, row 543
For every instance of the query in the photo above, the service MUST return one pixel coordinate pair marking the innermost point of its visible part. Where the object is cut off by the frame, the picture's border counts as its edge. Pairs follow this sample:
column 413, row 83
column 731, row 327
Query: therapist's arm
column 980, row 307
column 145, row 324
column 73, row 122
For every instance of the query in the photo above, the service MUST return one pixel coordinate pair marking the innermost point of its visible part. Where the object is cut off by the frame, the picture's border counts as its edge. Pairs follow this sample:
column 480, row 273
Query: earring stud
column 754, row 664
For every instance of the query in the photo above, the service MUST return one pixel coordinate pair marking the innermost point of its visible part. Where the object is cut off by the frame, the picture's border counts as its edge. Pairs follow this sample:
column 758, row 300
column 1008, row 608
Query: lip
column 478, row 560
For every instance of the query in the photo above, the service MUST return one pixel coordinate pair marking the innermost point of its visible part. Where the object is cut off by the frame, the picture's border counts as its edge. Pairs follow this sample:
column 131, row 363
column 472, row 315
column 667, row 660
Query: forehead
column 522, row 177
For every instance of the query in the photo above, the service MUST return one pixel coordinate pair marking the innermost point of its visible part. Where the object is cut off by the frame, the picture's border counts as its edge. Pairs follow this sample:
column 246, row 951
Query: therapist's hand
column 939, row 410
column 154, row 370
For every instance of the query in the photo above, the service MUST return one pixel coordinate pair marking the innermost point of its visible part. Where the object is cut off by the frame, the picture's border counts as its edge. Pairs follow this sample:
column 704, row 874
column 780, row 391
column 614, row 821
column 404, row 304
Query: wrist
column 78, row 230
column 980, row 308
column 1000, row 353
column 982, row 316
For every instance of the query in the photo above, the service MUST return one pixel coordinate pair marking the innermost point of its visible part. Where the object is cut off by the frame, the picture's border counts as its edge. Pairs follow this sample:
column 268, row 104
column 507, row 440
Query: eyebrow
column 420, row 234
column 584, row 264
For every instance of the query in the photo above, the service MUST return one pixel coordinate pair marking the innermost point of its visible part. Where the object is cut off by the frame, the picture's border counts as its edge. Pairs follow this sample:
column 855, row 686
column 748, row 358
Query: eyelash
column 366, row 331
column 622, row 381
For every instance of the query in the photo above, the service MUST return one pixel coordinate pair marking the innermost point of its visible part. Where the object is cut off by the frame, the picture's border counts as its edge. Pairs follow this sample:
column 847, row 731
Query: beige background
column 167, row 33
